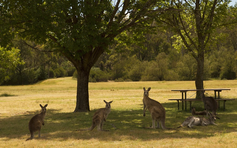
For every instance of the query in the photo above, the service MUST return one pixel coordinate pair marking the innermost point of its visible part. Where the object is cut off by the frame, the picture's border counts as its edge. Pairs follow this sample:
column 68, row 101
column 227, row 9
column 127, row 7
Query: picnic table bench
column 185, row 100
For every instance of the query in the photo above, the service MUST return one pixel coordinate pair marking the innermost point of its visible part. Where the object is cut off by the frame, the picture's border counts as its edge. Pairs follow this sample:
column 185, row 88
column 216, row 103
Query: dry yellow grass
column 61, row 124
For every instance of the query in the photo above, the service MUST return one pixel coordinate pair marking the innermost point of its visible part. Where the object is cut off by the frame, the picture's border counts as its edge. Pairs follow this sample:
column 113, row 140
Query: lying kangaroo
column 100, row 116
column 210, row 104
column 194, row 121
column 155, row 108
column 36, row 122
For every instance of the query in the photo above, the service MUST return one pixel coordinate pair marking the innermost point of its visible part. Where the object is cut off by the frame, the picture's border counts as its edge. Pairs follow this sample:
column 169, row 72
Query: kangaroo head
column 193, row 111
column 146, row 92
column 211, row 116
column 108, row 104
column 43, row 108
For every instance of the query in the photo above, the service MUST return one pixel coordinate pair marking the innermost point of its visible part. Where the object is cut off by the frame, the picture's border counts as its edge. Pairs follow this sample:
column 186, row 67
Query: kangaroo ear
column 144, row 88
column 41, row 106
column 149, row 89
column 110, row 101
column 105, row 101
column 46, row 105
column 208, row 113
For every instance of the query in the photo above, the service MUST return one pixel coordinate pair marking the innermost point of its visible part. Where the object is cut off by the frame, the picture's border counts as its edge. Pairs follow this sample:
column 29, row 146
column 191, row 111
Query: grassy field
column 127, row 127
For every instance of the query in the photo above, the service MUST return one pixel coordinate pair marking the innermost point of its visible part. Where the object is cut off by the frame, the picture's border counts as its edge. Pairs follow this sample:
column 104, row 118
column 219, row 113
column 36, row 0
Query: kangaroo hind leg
column 190, row 125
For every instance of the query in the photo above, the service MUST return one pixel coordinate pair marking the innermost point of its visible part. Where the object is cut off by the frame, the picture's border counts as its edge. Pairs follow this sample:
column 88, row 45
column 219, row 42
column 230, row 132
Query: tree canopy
column 81, row 30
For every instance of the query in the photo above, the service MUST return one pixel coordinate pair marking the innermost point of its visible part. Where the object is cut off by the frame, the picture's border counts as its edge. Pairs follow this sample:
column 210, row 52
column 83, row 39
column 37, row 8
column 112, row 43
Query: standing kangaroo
column 36, row 122
column 155, row 108
column 210, row 104
column 194, row 121
column 100, row 116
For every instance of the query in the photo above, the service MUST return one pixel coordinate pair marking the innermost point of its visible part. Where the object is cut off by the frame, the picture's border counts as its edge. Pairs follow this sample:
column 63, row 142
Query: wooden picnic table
column 184, row 96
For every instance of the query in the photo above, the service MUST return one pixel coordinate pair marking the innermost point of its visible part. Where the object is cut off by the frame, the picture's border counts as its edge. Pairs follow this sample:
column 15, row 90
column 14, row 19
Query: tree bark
column 82, row 98
column 199, row 75
column 83, row 67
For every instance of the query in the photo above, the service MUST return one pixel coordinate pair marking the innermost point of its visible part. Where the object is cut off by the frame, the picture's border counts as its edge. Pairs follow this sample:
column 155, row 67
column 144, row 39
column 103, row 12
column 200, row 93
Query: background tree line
column 160, row 59
column 36, row 63
column 154, row 59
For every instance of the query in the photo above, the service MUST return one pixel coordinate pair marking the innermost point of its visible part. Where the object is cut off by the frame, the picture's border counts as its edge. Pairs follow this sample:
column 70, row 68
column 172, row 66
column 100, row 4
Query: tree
column 81, row 30
column 194, row 23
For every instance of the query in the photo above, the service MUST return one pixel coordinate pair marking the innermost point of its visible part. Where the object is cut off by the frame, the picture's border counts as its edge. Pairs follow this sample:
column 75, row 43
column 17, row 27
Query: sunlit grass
column 127, row 127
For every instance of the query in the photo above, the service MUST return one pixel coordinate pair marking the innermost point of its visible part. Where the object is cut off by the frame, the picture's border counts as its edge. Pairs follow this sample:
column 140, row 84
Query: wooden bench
column 184, row 95
column 192, row 100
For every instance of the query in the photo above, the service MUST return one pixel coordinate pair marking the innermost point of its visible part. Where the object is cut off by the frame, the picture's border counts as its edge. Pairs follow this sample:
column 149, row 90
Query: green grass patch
column 126, row 124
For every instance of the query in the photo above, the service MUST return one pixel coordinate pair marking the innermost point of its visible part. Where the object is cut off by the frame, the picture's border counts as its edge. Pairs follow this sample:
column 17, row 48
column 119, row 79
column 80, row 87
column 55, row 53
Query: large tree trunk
column 199, row 76
column 82, row 100
column 83, row 70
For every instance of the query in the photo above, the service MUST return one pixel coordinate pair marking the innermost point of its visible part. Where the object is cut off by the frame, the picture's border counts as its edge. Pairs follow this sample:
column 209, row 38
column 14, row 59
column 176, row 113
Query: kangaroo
column 201, row 113
column 210, row 104
column 36, row 122
column 195, row 121
column 100, row 116
column 211, row 120
column 155, row 108
column 198, row 113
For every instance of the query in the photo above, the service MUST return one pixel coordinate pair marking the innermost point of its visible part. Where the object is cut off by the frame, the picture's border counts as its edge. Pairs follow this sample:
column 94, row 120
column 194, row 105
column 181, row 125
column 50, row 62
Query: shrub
column 51, row 73
column 157, row 70
column 96, row 75
column 136, row 72
column 60, row 72
column 75, row 75
column 171, row 76
column 186, row 68
column 70, row 71
column 118, row 70
column 42, row 73
column 151, row 72
column 228, row 74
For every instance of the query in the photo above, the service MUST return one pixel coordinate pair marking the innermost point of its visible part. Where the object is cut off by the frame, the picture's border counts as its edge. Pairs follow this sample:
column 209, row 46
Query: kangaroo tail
column 166, row 128
column 29, row 139
column 86, row 129
column 163, row 124
column 91, row 128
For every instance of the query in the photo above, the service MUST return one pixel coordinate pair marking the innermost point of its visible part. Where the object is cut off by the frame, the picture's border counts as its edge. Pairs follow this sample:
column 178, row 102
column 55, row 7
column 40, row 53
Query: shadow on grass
column 129, row 124
column 6, row 95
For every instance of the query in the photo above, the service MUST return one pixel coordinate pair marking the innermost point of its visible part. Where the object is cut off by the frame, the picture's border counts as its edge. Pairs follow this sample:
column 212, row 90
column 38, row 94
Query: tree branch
column 210, row 21
column 114, row 13
column 122, row 13
column 186, row 33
